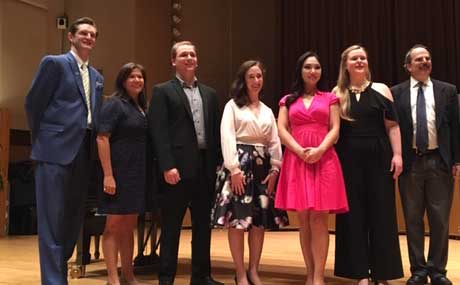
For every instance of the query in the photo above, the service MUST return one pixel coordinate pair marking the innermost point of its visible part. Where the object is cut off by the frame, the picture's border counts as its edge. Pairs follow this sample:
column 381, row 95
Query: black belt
column 426, row 152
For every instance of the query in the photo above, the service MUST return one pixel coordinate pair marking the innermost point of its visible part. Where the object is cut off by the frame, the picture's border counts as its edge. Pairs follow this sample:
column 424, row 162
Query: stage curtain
column 387, row 28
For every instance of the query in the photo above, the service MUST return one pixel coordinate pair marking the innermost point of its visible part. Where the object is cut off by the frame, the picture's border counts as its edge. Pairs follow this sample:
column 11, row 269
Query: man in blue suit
column 62, row 109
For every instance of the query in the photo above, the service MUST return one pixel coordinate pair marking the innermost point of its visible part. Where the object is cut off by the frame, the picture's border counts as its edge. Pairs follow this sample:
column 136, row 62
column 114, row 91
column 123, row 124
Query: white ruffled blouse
column 242, row 126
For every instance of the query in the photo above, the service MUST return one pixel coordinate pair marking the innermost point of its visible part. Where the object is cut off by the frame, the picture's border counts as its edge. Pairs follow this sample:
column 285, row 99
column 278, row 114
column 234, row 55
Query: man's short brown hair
column 178, row 44
column 84, row 20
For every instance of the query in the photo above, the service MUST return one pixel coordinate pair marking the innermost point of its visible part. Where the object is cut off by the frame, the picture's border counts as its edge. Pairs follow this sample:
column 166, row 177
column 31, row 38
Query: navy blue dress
column 128, row 128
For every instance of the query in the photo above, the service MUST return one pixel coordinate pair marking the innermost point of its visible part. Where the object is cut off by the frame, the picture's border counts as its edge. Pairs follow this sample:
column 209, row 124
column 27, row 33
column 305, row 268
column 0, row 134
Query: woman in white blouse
column 245, row 185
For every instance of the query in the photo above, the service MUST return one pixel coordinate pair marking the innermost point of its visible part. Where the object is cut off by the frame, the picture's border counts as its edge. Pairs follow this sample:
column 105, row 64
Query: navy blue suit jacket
column 57, row 111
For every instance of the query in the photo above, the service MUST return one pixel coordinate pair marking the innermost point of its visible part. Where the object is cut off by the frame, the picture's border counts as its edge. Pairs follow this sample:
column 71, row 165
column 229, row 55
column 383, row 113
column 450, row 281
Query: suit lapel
column 182, row 96
column 77, row 75
column 438, row 103
column 92, row 86
column 204, row 99
column 406, row 105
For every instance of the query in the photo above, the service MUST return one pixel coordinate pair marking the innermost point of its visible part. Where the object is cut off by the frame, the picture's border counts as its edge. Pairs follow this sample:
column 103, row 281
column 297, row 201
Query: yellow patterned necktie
column 85, row 78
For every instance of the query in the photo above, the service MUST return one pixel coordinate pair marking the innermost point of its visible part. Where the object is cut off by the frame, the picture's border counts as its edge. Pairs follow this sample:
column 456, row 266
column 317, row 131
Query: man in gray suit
column 428, row 114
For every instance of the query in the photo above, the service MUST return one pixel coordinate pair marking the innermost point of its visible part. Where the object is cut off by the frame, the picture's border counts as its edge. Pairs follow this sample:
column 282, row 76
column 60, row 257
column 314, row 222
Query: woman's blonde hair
column 343, row 82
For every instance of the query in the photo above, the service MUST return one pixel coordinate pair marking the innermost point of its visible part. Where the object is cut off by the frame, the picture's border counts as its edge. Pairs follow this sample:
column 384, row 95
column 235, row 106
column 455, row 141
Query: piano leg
column 77, row 268
column 140, row 235
column 97, row 239
column 152, row 258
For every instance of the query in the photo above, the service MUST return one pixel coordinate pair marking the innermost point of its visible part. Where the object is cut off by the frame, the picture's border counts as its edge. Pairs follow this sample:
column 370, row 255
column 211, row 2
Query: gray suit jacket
column 447, row 121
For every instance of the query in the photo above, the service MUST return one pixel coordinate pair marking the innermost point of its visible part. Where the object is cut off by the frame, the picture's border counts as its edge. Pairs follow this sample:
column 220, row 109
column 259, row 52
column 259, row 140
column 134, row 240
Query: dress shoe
column 205, row 281
column 165, row 282
column 440, row 280
column 416, row 280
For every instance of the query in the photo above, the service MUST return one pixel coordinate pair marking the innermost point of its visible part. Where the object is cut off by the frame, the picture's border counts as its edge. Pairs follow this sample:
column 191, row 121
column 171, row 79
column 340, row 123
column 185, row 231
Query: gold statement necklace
column 359, row 90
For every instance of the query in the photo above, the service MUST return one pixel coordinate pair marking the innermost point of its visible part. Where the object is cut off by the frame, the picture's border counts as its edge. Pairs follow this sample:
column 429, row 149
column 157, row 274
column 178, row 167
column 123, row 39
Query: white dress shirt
column 430, row 111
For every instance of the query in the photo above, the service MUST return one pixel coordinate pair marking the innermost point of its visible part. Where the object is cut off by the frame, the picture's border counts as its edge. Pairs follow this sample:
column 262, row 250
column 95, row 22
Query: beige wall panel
column 254, row 35
column 56, row 39
column 454, row 225
column 23, row 44
column 153, row 39
column 36, row 3
column 2, row 12
column 4, row 159
column 207, row 25
column 229, row 32
column 116, row 42
column 454, row 222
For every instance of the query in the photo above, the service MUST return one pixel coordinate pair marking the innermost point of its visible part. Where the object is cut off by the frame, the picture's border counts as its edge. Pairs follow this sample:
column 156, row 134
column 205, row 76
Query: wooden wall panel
column 4, row 159
column 454, row 228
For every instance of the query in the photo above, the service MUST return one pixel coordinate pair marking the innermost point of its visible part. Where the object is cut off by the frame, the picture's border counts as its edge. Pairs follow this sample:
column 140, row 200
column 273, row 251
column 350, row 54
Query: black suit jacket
column 447, row 121
column 173, row 132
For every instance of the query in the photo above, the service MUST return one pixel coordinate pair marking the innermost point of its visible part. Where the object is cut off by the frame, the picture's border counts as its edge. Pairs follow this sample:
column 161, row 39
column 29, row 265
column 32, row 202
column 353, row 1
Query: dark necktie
column 421, row 138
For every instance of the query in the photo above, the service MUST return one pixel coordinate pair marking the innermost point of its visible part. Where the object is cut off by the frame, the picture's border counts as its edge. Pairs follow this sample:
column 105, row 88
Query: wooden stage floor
column 281, row 263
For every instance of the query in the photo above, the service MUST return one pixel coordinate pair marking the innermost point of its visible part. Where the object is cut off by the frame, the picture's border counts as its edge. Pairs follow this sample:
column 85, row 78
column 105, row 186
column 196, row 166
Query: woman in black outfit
column 121, row 143
column 369, row 148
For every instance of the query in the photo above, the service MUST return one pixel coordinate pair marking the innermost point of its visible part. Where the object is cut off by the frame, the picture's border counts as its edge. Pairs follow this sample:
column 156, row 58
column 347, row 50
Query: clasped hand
column 310, row 154
column 238, row 181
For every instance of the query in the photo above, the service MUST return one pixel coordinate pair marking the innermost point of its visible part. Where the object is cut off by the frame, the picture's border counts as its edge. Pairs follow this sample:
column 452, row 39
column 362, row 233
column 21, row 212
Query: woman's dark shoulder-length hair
column 123, row 75
column 298, row 85
column 239, row 90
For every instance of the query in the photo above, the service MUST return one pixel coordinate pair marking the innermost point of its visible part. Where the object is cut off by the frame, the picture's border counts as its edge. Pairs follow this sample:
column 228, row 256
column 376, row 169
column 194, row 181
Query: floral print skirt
column 255, row 206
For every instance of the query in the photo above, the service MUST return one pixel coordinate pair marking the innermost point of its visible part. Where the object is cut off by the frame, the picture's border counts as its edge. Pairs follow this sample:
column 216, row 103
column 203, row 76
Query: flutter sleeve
column 388, row 107
column 283, row 100
column 110, row 115
column 333, row 99
column 228, row 139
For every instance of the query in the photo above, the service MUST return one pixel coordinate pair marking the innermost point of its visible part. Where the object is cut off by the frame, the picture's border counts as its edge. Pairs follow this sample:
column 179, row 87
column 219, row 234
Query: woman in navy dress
column 121, row 143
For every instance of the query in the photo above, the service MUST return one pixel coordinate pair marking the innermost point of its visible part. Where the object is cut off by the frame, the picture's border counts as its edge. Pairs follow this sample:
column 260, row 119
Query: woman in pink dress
column 311, row 180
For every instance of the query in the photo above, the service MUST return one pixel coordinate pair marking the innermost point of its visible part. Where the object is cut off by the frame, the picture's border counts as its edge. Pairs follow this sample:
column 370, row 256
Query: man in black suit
column 428, row 113
column 184, row 125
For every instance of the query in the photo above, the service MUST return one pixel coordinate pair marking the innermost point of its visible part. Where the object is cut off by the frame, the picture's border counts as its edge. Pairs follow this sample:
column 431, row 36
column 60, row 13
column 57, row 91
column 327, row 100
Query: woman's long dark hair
column 239, row 90
column 298, row 86
column 122, row 76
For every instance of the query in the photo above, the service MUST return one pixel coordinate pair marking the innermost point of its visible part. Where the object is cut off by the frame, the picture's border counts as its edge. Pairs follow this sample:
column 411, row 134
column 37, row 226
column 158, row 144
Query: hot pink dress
column 319, row 186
